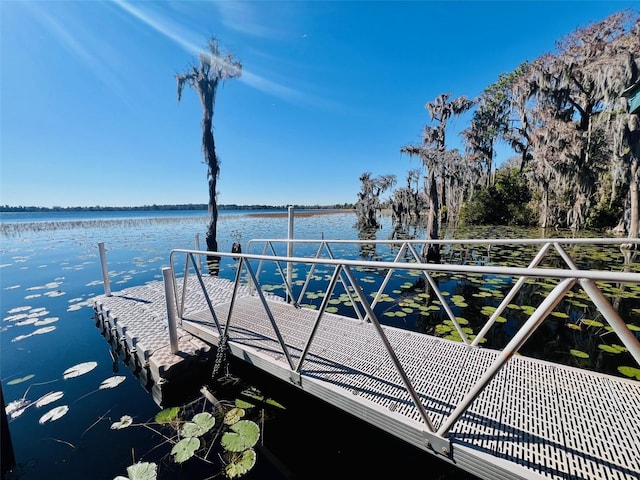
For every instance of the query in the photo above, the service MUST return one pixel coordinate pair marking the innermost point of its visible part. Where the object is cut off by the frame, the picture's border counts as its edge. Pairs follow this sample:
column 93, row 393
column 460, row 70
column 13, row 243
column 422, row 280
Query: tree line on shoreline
column 572, row 120
column 189, row 206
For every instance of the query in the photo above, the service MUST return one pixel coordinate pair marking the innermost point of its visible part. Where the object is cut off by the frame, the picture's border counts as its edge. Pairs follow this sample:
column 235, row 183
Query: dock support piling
column 170, row 299
column 105, row 271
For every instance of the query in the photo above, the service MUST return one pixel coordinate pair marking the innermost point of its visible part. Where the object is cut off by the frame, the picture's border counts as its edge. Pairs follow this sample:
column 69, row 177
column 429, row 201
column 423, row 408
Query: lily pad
column 233, row 416
column 241, row 465
column 167, row 415
column 631, row 372
column 612, row 348
column 143, row 471
column 124, row 422
column 112, row 382
column 48, row 398
column 16, row 381
column 579, row 353
column 592, row 323
column 16, row 407
column 243, row 404
column 274, row 403
column 243, row 435
column 200, row 424
column 79, row 369
column 54, row 414
column 185, row 449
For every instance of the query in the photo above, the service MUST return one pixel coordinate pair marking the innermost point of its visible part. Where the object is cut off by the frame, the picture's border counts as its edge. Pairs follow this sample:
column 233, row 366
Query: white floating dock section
column 535, row 419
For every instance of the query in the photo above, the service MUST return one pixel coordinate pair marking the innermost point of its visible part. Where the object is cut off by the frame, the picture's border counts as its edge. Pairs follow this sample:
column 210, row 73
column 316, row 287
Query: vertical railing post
column 290, row 252
column 198, row 248
column 105, row 271
column 170, row 299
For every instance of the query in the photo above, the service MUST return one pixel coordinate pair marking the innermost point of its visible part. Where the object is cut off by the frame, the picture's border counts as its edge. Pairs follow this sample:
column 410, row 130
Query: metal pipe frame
column 567, row 278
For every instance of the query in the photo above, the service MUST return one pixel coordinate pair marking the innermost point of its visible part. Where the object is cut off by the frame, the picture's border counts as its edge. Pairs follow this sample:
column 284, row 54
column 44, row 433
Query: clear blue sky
column 330, row 90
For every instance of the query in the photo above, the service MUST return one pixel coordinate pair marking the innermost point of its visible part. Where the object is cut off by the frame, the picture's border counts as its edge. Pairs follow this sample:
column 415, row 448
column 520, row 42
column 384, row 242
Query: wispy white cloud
column 242, row 17
column 161, row 25
column 68, row 35
column 235, row 15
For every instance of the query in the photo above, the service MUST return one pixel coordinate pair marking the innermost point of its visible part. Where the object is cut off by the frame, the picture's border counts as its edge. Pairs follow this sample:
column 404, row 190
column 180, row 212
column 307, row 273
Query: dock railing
column 460, row 257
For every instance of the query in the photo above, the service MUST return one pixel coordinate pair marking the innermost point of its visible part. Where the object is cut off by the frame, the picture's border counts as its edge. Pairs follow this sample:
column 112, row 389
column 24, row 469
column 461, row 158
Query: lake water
column 50, row 270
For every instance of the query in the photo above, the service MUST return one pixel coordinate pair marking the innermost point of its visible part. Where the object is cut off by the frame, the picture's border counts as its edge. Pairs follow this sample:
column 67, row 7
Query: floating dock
column 134, row 322
column 534, row 420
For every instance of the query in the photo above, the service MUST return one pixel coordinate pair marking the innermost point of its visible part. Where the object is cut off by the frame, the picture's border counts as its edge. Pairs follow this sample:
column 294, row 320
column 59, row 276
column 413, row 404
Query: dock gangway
column 314, row 314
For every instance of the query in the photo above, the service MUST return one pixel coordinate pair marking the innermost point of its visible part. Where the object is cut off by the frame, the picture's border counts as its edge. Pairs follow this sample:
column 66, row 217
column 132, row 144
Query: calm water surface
column 50, row 270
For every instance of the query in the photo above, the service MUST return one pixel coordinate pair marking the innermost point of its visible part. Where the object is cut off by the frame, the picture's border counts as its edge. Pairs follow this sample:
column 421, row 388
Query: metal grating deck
column 535, row 420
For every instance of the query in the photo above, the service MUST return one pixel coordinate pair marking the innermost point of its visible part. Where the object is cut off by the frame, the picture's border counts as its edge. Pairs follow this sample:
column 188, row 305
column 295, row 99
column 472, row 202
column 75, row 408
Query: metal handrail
column 343, row 273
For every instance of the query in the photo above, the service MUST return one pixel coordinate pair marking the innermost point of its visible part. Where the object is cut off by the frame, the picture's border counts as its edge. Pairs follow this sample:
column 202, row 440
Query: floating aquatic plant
column 48, row 398
column 124, row 422
column 54, row 414
column 241, row 464
column 243, row 435
column 612, row 348
column 631, row 372
column 185, row 449
column 578, row 353
column 16, row 381
column 141, row 471
column 79, row 369
column 199, row 425
column 167, row 415
column 112, row 382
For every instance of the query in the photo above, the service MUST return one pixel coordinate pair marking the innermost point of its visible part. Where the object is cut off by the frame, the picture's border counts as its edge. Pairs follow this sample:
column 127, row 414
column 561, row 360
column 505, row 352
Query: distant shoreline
column 152, row 208
column 302, row 214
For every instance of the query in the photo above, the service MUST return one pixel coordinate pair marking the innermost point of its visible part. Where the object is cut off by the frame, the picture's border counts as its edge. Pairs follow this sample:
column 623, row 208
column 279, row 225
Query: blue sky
column 330, row 90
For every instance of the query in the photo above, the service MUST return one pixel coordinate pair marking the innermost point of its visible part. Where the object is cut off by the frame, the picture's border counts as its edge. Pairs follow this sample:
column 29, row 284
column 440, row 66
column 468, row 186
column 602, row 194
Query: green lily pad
column 185, row 449
column 273, row 403
column 592, row 323
column 240, row 466
column 243, row 435
column 243, row 404
column 442, row 329
column 233, row 416
column 579, row 353
column 142, row 471
column 167, row 415
column 16, row 381
column 612, row 348
column 631, row 372
column 200, row 424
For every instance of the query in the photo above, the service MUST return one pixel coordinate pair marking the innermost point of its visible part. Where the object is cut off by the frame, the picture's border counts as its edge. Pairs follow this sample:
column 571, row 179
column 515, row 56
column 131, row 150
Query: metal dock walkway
column 492, row 413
